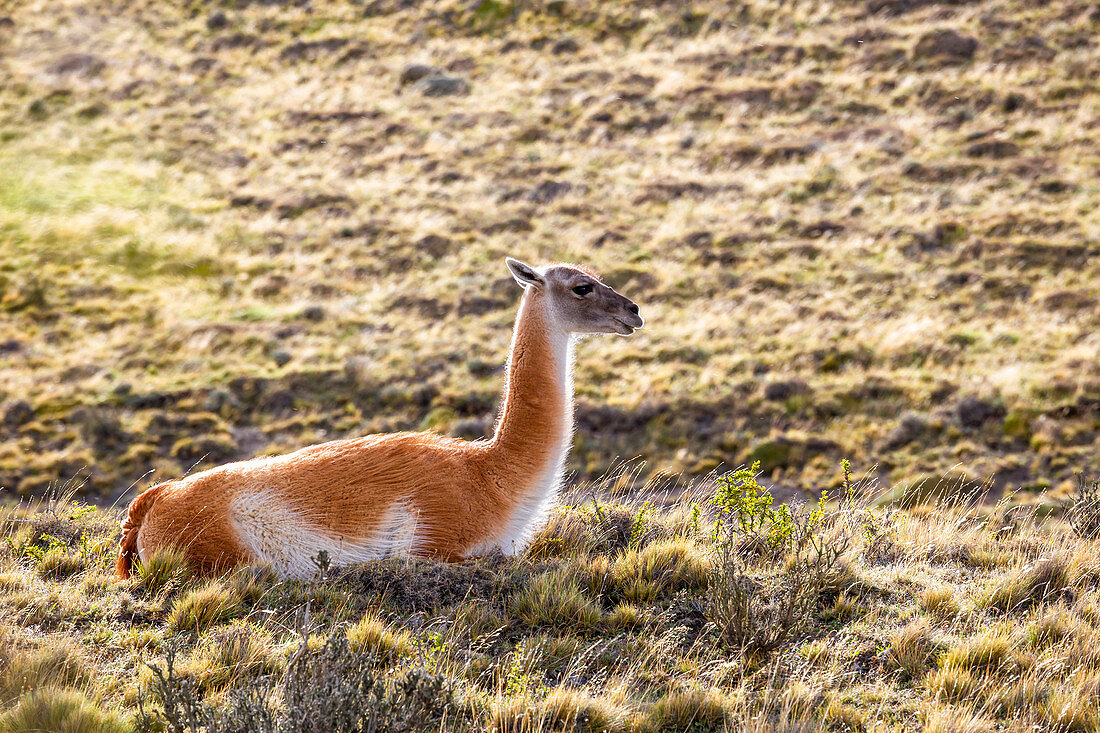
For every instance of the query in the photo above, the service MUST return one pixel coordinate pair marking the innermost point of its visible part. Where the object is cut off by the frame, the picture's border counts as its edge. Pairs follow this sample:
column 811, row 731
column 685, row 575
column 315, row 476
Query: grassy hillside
column 727, row 613
column 863, row 229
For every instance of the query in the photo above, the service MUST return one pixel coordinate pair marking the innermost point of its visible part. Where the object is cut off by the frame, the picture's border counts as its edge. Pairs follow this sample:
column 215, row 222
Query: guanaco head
column 579, row 301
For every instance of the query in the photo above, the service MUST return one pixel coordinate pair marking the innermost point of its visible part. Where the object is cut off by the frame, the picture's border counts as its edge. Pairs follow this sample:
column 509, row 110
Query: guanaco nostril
column 632, row 308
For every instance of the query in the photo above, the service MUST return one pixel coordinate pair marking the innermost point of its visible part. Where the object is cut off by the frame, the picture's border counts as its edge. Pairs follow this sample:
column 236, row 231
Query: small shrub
column 1083, row 509
column 758, row 612
column 67, row 711
column 330, row 689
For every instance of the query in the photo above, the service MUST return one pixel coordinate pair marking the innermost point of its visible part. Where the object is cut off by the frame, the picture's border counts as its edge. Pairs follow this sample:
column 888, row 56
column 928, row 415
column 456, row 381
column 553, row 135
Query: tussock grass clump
column 625, row 616
column 232, row 656
column 841, row 715
column 576, row 710
column 60, row 711
column 694, row 709
column 1010, row 697
column 913, row 650
column 477, row 618
column 1031, row 585
column 986, row 653
column 1071, row 713
column 939, row 601
column 951, row 684
column 554, row 599
column 208, row 605
column 60, row 662
column 661, row 568
column 165, row 567
column 1049, row 629
column 596, row 528
column 956, row 720
column 515, row 715
column 371, row 635
column 58, row 564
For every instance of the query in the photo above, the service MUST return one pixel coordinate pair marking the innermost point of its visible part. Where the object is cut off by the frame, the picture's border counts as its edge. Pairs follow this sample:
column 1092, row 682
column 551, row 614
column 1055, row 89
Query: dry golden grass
column 229, row 231
column 562, row 640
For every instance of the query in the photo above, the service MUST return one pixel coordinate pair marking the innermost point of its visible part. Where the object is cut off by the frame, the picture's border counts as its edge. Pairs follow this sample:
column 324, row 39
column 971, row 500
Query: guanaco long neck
column 536, row 423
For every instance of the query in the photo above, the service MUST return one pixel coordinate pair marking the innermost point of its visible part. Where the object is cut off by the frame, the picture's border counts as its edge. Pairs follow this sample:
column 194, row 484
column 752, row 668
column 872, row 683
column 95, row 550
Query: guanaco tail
column 403, row 493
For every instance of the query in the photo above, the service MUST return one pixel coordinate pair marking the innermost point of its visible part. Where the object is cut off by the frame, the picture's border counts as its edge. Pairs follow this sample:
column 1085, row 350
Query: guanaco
column 406, row 493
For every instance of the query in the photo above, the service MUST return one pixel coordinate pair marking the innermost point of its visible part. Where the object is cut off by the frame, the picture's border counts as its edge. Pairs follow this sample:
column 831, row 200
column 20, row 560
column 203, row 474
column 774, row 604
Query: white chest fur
column 530, row 513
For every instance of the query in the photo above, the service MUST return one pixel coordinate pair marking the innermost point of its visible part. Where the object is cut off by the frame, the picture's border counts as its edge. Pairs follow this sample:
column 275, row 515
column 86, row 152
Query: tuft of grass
column 204, row 607
column 843, row 609
column 229, row 657
column 576, row 710
column 59, row 662
column 951, row 684
column 625, row 616
column 371, row 635
column 1029, row 586
column 660, row 569
column 58, row 564
column 955, row 720
column 1071, row 713
column 1083, row 509
column 165, row 567
column 1051, row 628
column 940, row 602
column 1013, row 696
column 694, row 709
column 913, row 650
column 554, row 599
column 514, row 715
column 840, row 715
column 64, row 711
column 985, row 653
column 477, row 618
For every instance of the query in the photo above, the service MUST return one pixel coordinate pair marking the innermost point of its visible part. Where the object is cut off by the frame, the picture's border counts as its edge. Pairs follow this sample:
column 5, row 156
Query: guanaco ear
column 524, row 274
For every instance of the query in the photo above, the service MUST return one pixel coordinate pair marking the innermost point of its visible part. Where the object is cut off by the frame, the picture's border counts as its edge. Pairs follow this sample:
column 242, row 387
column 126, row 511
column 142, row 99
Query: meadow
column 860, row 230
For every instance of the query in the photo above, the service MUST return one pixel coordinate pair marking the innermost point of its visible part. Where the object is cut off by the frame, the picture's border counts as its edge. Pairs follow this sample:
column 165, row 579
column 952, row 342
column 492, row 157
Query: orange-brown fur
column 463, row 494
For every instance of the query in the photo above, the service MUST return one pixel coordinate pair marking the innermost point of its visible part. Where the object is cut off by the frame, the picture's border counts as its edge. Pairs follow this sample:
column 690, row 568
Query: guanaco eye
column 583, row 289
